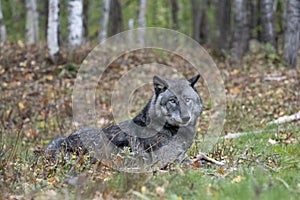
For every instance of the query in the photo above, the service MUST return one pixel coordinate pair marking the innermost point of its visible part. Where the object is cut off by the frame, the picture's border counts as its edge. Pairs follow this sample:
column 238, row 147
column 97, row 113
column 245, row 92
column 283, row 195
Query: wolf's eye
column 172, row 100
column 187, row 100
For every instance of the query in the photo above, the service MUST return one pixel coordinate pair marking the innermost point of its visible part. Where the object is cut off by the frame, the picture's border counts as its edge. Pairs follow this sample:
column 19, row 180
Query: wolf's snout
column 185, row 119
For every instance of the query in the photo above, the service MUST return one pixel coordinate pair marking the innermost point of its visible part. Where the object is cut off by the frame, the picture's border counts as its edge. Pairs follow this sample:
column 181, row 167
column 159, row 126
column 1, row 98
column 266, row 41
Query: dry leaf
column 237, row 179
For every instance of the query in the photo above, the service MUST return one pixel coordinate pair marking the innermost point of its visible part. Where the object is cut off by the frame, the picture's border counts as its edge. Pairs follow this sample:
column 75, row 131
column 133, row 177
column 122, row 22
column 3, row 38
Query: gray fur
column 161, row 133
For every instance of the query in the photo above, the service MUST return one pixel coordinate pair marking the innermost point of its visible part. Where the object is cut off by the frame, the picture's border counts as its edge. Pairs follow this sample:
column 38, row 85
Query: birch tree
column 53, row 29
column 104, row 20
column 32, row 22
column 142, row 20
column 75, row 23
column 241, row 33
column 2, row 26
column 267, row 21
column 130, row 26
column 291, row 35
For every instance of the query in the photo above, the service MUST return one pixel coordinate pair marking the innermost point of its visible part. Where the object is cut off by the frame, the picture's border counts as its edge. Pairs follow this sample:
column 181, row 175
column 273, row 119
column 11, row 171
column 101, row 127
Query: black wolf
column 160, row 134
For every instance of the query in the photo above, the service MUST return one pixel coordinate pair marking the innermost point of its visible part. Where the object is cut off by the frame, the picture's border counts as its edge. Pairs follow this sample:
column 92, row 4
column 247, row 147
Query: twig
column 203, row 156
column 272, row 78
column 140, row 195
column 239, row 134
column 285, row 119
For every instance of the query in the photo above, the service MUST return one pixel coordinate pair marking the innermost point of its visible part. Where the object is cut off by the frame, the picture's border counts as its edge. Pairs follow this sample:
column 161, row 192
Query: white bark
column 32, row 23
column 286, row 119
column 53, row 29
column 130, row 27
column 104, row 21
column 75, row 22
column 2, row 26
column 142, row 19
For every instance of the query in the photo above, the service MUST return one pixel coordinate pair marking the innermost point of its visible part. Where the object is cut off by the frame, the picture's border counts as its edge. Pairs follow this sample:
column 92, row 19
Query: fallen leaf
column 271, row 141
column 234, row 90
column 21, row 106
column 237, row 179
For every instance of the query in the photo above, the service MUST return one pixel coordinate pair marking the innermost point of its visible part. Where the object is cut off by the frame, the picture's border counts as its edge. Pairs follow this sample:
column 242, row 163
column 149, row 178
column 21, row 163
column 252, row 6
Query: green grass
column 255, row 169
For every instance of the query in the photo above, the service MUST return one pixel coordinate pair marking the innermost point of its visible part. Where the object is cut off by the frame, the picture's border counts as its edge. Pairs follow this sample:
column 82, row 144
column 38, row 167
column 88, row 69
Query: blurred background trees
column 228, row 27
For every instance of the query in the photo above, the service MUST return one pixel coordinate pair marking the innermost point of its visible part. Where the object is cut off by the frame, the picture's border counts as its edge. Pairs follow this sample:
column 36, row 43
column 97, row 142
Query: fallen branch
column 203, row 156
column 272, row 78
column 239, row 134
column 286, row 119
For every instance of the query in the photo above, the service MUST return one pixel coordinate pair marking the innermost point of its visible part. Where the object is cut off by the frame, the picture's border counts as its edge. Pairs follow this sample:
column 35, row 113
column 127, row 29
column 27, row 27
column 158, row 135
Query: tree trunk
column 223, row 22
column 253, row 21
column 45, row 12
column 53, row 29
column 267, row 20
column 291, row 35
column 32, row 22
column 142, row 20
column 115, row 14
column 241, row 33
column 200, row 31
column 104, row 20
column 2, row 26
column 130, row 26
column 174, row 4
column 196, row 19
column 75, row 23
column 203, row 23
column 85, row 20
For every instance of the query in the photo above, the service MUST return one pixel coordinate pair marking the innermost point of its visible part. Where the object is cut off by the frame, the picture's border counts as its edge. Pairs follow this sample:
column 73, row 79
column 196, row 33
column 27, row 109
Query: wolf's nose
column 186, row 119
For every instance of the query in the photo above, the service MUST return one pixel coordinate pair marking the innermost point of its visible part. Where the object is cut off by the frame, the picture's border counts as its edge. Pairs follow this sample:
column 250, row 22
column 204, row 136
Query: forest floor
column 36, row 106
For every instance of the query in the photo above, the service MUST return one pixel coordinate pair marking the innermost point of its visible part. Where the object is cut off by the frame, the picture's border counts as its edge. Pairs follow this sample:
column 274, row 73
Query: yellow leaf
column 144, row 190
column 7, row 112
column 49, row 77
column 42, row 124
column 21, row 43
column 21, row 106
column 235, row 71
column 237, row 179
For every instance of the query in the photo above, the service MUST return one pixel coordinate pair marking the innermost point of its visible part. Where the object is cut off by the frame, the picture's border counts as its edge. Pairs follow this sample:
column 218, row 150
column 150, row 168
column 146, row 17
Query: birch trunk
column 32, row 23
column 142, row 20
column 104, row 21
column 291, row 35
column 2, row 26
column 75, row 23
column 130, row 26
column 53, row 29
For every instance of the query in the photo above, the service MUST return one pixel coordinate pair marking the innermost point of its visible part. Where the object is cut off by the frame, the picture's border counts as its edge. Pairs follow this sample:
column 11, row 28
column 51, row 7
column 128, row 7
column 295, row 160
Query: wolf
column 160, row 134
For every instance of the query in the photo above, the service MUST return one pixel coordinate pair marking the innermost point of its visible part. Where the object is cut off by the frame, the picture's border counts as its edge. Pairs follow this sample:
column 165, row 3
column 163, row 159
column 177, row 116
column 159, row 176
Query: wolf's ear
column 160, row 85
column 194, row 80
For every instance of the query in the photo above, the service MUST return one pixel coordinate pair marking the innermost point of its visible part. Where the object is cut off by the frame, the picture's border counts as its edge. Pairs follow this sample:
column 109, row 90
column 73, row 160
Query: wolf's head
column 176, row 102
